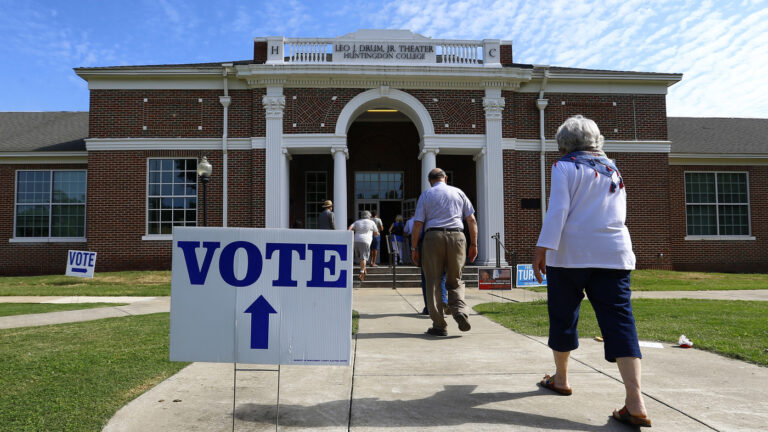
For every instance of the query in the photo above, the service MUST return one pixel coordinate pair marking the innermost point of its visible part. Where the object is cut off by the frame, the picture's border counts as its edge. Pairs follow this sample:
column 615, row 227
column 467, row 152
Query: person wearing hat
column 326, row 219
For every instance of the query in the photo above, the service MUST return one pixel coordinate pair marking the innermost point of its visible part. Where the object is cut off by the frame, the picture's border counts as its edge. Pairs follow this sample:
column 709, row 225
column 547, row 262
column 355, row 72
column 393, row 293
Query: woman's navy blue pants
column 608, row 292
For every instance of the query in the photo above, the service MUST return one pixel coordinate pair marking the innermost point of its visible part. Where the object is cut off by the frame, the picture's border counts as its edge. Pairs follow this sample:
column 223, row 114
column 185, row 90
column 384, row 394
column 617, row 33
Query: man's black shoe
column 437, row 332
column 463, row 322
column 424, row 312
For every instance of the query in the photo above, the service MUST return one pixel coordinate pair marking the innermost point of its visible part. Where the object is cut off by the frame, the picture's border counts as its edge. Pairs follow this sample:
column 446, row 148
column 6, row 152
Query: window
column 50, row 204
column 717, row 204
column 316, row 192
column 379, row 185
column 171, row 195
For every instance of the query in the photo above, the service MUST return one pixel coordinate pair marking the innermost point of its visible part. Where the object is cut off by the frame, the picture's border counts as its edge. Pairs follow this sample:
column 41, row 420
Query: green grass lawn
column 735, row 329
column 134, row 283
column 76, row 376
column 664, row 280
column 8, row 309
column 661, row 280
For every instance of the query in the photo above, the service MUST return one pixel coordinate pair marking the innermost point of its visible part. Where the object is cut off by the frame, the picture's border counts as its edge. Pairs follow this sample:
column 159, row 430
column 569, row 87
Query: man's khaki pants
column 444, row 251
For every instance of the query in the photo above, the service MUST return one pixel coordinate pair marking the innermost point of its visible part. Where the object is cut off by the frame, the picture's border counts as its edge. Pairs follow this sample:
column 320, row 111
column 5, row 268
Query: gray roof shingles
column 718, row 135
column 43, row 131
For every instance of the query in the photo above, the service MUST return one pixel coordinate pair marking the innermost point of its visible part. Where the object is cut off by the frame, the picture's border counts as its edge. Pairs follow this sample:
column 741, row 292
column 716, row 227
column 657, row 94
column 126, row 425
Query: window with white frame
column 717, row 203
column 50, row 204
column 316, row 192
column 171, row 194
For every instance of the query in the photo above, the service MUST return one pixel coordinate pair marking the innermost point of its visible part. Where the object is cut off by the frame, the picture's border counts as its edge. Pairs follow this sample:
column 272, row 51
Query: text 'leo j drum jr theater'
column 359, row 119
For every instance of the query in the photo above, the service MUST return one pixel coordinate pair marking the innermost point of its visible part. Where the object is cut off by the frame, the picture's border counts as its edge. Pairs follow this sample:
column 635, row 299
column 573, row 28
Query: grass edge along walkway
column 13, row 309
column 734, row 329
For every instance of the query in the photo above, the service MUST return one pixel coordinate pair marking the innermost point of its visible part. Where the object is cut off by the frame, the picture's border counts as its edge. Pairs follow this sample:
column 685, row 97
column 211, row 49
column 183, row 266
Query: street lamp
column 204, row 170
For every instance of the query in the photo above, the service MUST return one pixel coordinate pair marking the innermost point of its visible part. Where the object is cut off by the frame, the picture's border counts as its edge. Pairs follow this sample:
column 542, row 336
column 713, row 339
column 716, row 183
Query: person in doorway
column 365, row 230
column 407, row 232
column 440, row 210
column 375, row 243
column 584, row 246
column 396, row 230
column 326, row 219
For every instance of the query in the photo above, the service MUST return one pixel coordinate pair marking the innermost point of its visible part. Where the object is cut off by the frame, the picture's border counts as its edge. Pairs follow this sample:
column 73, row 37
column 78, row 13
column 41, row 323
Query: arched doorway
column 383, row 171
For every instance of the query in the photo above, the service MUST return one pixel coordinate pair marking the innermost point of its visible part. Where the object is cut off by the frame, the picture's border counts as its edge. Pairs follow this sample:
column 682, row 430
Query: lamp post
column 204, row 170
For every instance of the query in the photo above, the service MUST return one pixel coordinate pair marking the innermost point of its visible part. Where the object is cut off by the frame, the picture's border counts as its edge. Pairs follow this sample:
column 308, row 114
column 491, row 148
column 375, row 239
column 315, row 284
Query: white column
column 428, row 158
column 340, row 156
column 274, row 104
column 492, row 213
column 285, row 190
column 481, row 207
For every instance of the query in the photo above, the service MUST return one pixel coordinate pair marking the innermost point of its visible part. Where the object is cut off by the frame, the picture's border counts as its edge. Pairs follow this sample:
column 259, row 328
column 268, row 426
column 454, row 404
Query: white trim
column 153, row 237
column 718, row 159
column 258, row 143
column 613, row 146
column 720, row 238
column 602, row 87
column 47, row 239
column 468, row 144
column 384, row 96
column 68, row 157
column 316, row 143
column 121, row 144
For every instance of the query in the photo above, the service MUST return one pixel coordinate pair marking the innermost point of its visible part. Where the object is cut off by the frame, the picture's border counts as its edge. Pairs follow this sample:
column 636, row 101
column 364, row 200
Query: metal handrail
column 497, row 237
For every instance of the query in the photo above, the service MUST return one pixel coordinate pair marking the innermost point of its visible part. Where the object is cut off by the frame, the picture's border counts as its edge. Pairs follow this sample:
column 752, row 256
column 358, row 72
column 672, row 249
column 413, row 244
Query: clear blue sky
column 720, row 47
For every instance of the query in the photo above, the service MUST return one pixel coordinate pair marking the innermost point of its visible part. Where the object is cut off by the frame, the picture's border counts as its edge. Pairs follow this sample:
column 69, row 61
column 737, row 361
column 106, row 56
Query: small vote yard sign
column 525, row 277
column 263, row 296
column 81, row 263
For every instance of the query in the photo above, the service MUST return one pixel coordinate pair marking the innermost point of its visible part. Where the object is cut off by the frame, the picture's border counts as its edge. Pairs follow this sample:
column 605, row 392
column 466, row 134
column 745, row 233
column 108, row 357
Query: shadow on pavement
column 456, row 405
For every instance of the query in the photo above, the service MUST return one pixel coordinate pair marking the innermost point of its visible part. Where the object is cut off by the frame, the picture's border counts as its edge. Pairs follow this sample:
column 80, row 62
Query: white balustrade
column 319, row 50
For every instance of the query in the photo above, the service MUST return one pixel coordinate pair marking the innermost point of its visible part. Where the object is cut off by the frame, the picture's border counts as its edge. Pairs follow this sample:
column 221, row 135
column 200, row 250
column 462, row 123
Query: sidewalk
column 483, row 380
column 136, row 306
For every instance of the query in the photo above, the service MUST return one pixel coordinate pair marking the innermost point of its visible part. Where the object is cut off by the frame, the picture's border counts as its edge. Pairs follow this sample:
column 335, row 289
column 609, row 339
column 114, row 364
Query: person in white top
column 584, row 246
column 365, row 229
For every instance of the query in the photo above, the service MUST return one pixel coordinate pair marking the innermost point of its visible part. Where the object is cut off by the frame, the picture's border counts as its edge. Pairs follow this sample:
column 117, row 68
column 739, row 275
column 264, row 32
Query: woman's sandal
column 549, row 383
column 362, row 275
column 625, row 417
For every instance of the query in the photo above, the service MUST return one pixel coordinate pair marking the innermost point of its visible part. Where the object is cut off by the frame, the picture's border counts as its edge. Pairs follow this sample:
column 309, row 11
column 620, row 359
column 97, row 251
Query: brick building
column 358, row 119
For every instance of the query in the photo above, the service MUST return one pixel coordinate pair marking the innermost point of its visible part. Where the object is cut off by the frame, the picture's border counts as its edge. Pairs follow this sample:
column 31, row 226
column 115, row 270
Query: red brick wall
column 259, row 188
column 645, row 176
column 117, row 215
column 258, row 113
column 259, row 52
column 505, row 54
column 169, row 113
column 641, row 117
column 722, row 255
column 28, row 258
column 454, row 108
column 313, row 110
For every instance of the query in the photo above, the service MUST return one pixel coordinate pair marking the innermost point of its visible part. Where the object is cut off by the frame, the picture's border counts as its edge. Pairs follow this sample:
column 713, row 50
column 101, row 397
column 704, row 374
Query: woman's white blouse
column 584, row 225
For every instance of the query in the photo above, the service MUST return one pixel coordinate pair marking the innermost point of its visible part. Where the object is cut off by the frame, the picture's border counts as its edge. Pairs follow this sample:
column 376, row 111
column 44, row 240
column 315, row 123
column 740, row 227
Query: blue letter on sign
column 227, row 264
column 197, row 275
column 285, row 258
column 319, row 264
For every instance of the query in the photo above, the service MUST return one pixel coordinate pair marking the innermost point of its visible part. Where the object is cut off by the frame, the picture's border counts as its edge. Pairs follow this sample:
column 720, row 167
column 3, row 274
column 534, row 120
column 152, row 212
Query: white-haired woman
column 365, row 229
column 584, row 246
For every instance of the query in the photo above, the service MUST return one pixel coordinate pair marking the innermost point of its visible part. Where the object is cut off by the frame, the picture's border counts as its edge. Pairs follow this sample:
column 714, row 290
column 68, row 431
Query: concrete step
column 407, row 277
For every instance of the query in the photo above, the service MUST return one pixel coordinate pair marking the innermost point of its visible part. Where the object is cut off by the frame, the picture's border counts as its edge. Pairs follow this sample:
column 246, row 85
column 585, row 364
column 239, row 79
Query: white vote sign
column 264, row 296
column 80, row 263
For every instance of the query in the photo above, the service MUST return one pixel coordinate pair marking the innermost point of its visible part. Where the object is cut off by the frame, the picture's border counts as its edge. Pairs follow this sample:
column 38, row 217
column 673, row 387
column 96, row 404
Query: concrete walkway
column 136, row 306
column 483, row 380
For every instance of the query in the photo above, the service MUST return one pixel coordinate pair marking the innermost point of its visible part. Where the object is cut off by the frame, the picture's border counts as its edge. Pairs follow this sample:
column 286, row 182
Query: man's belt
column 445, row 229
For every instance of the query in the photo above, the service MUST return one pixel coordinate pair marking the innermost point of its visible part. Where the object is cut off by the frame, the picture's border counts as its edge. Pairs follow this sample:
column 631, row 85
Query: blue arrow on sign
column 260, row 310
